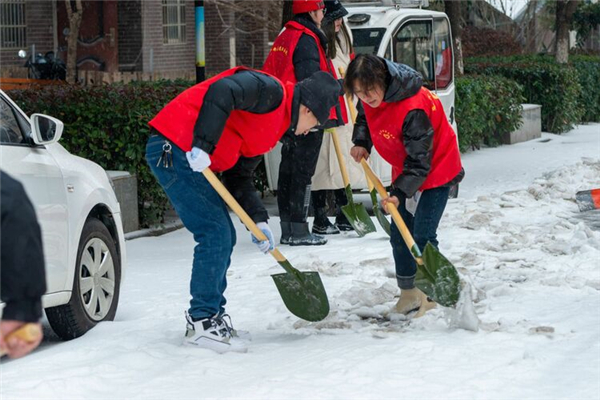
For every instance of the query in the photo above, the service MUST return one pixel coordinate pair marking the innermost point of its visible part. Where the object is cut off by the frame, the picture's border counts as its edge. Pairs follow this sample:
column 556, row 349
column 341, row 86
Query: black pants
column 299, row 157
column 319, row 199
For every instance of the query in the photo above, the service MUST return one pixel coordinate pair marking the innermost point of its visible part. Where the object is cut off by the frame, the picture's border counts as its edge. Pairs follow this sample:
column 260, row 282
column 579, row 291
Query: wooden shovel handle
column 349, row 98
column 28, row 333
column 340, row 157
column 408, row 239
column 239, row 211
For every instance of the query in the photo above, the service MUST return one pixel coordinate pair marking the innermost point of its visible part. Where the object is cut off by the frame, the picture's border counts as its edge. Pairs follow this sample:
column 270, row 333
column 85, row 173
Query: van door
column 425, row 45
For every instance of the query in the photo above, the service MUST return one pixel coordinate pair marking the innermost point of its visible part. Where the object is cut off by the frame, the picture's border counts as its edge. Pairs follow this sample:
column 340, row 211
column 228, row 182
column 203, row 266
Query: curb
column 157, row 230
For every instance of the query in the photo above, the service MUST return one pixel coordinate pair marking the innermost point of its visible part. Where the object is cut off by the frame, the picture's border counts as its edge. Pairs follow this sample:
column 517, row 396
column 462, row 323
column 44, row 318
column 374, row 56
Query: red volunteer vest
column 385, row 124
column 280, row 59
column 245, row 134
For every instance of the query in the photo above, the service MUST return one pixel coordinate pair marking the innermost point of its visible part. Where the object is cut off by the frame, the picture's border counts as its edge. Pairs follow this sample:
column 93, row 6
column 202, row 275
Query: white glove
column 413, row 202
column 198, row 159
column 266, row 245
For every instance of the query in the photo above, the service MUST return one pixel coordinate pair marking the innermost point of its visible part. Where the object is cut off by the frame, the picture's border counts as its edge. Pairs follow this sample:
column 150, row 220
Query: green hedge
column 109, row 125
column 556, row 87
column 487, row 107
column 588, row 68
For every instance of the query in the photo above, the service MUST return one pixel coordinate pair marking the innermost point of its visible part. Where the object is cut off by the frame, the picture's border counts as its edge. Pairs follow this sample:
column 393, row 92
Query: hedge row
column 487, row 107
column 569, row 94
column 109, row 125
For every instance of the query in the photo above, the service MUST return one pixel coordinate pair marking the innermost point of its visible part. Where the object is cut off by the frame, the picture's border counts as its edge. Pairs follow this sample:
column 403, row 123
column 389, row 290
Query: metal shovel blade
column 303, row 293
column 357, row 215
column 438, row 278
column 383, row 221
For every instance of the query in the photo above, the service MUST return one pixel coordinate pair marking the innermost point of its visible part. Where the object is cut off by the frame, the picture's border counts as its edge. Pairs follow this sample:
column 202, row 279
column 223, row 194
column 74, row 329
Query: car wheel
column 96, row 284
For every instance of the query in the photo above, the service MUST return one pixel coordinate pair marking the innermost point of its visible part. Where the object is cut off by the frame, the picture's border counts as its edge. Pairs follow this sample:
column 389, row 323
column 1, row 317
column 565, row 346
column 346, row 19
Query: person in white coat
column 328, row 176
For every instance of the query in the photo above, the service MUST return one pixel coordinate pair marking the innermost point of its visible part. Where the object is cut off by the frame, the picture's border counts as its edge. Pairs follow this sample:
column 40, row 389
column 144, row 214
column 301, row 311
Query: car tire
column 98, row 269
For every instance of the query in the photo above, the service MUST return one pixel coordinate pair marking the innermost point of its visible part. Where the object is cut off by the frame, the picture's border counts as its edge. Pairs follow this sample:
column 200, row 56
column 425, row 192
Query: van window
column 443, row 54
column 367, row 41
column 413, row 46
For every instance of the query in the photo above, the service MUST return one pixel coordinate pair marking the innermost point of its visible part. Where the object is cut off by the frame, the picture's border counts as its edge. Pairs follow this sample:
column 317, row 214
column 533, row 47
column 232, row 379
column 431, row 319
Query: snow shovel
column 383, row 221
column 588, row 200
column 436, row 276
column 356, row 214
column 302, row 292
column 28, row 332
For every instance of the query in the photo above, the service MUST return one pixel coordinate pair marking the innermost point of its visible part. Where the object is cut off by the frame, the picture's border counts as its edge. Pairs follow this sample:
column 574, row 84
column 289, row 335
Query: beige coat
column 328, row 174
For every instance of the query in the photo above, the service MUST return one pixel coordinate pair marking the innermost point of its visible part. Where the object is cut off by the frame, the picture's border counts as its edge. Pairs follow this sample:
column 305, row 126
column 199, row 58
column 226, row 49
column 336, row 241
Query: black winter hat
column 333, row 10
column 320, row 92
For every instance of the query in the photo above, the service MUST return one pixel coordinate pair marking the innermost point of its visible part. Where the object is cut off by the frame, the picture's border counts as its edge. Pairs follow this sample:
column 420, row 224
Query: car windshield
column 367, row 41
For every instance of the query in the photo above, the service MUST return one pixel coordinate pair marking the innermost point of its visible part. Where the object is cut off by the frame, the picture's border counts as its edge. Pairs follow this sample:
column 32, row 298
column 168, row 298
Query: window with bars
column 12, row 24
column 173, row 21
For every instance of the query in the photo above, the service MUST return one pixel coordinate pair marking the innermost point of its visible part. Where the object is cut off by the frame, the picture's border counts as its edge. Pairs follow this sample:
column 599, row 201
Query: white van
column 401, row 31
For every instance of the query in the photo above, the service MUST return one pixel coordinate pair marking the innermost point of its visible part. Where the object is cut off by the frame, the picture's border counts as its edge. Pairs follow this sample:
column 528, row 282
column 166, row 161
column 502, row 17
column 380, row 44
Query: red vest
column 385, row 124
column 280, row 60
column 245, row 134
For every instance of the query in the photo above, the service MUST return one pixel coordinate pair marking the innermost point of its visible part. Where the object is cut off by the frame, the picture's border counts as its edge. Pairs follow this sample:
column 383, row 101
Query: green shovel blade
column 303, row 293
column 383, row 221
column 357, row 215
column 438, row 278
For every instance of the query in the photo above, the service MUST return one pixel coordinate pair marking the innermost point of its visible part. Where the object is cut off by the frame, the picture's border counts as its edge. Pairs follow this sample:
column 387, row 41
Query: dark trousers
column 299, row 157
column 205, row 215
column 423, row 227
column 319, row 200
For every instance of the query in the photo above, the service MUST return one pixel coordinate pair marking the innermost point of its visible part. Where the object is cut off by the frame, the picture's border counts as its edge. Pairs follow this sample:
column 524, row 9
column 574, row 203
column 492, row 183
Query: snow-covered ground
column 514, row 233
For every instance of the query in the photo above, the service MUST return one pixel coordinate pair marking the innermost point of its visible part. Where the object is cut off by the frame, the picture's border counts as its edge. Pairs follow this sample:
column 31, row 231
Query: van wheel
column 96, row 284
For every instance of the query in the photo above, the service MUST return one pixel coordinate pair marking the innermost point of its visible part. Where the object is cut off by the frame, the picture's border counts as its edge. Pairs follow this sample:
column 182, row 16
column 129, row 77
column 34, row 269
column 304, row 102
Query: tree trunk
column 74, row 17
column 564, row 16
column 287, row 14
column 453, row 10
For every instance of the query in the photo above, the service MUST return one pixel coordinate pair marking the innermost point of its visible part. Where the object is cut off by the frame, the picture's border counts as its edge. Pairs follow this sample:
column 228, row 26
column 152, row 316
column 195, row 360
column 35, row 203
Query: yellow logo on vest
column 280, row 49
column 386, row 134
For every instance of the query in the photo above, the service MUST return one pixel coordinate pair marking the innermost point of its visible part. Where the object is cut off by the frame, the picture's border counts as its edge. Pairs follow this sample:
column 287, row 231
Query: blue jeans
column 423, row 227
column 205, row 215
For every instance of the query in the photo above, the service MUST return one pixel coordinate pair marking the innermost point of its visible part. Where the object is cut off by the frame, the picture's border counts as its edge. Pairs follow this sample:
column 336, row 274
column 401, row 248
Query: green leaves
column 568, row 94
column 108, row 124
column 487, row 107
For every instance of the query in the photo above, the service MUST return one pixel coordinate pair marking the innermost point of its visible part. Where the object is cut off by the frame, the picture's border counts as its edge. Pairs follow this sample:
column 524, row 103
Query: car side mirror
column 45, row 129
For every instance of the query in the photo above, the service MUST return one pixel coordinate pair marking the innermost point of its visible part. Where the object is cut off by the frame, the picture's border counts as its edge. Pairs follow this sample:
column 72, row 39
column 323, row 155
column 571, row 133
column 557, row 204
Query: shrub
column 487, row 107
column 588, row 68
column 109, row 125
column 488, row 42
column 556, row 87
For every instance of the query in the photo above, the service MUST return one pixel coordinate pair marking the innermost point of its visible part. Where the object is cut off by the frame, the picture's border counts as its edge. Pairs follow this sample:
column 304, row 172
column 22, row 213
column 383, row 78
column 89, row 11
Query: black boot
column 341, row 222
column 322, row 225
column 302, row 237
column 286, row 232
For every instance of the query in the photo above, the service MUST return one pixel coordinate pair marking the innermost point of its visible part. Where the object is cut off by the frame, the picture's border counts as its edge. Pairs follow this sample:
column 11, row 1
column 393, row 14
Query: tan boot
column 414, row 300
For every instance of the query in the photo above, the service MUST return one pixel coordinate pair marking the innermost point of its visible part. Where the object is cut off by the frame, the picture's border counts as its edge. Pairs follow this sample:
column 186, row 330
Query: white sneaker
column 236, row 333
column 213, row 334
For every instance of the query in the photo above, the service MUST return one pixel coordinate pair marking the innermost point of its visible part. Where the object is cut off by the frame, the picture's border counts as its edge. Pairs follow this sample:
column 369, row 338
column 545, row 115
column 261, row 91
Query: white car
column 80, row 217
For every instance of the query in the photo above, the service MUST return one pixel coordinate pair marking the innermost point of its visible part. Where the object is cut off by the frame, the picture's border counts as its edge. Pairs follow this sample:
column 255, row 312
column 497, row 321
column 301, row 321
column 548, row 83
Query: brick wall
column 216, row 38
column 38, row 16
column 130, row 35
column 167, row 57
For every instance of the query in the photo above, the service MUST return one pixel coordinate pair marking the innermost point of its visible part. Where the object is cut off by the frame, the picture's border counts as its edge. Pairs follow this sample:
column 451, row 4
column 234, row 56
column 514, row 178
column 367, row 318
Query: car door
column 425, row 45
column 41, row 176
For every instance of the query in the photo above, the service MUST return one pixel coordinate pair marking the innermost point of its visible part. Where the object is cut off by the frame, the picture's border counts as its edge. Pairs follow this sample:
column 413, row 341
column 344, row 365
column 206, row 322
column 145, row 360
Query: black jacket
column 22, row 276
column 307, row 59
column 417, row 131
column 249, row 91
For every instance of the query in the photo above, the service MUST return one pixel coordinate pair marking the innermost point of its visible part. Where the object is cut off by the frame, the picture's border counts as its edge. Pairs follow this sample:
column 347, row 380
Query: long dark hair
column 332, row 38
column 367, row 69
